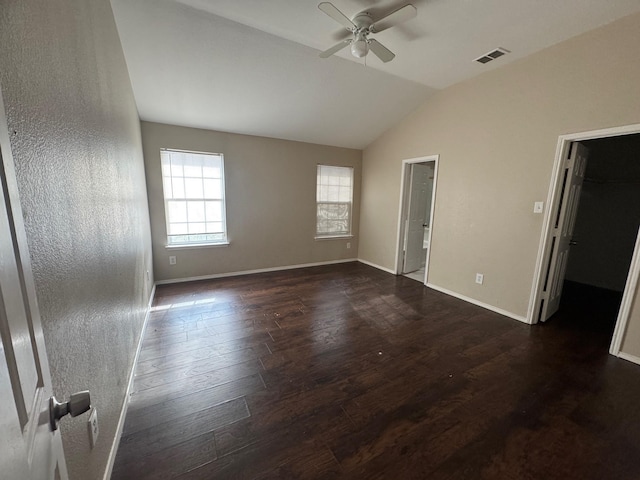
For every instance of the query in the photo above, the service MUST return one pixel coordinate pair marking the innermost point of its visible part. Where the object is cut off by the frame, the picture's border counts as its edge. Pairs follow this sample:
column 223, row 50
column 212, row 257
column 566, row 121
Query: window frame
column 349, row 233
column 200, row 243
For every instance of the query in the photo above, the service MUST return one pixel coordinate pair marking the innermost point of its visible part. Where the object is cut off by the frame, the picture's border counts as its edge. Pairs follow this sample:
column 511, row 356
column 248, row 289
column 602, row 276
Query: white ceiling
column 252, row 66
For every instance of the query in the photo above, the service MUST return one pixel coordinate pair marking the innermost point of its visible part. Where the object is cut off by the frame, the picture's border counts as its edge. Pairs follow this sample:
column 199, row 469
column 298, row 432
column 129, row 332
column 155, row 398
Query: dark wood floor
column 349, row 372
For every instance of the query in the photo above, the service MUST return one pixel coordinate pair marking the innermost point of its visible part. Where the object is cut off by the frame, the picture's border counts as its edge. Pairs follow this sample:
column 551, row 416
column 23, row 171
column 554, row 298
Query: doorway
column 418, row 188
column 591, row 242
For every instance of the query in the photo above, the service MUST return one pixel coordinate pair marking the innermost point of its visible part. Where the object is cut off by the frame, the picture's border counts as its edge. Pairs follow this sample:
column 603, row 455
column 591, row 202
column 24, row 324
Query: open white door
column 29, row 449
column 563, row 228
column 419, row 208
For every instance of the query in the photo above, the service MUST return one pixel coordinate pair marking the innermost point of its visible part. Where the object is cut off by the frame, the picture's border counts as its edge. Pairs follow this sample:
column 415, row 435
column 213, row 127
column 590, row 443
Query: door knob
column 573, row 242
column 78, row 403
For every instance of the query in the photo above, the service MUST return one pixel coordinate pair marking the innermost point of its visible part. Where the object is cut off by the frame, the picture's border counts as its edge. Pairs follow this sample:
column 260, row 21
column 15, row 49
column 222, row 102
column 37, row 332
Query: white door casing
column 28, row 447
column 403, row 206
column 563, row 227
column 418, row 213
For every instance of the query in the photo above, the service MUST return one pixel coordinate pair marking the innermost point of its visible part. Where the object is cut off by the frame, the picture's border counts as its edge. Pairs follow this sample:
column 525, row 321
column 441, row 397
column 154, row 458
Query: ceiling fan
column 363, row 25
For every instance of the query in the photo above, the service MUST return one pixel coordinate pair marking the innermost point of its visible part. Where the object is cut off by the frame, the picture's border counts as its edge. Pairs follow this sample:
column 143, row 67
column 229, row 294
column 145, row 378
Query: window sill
column 188, row 246
column 334, row 237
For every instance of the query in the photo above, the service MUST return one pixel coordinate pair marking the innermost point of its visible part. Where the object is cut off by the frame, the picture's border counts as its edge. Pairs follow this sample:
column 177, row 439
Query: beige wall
column 496, row 136
column 270, row 195
column 75, row 138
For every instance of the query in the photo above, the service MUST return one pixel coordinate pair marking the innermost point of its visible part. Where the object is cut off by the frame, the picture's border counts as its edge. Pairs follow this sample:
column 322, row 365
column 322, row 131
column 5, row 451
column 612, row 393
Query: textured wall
column 76, row 143
column 270, row 194
column 496, row 136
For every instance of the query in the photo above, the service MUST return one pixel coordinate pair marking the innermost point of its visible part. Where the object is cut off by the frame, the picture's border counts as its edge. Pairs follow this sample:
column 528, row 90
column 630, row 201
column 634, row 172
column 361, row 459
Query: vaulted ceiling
column 252, row 66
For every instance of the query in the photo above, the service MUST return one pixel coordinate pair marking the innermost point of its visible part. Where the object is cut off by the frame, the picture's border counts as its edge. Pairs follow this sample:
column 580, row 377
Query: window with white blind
column 194, row 204
column 334, row 198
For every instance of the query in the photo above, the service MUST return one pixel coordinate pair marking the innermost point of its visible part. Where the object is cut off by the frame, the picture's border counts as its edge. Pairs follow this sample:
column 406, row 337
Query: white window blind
column 334, row 198
column 194, row 203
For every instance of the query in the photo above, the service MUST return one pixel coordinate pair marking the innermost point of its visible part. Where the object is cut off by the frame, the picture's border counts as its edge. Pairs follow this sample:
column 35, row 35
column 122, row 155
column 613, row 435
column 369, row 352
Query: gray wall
column 76, row 143
column 270, row 196
column 608, row 214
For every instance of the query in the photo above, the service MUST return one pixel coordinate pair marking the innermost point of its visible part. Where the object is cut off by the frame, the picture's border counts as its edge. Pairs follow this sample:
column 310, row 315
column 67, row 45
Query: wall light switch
column 538, row 207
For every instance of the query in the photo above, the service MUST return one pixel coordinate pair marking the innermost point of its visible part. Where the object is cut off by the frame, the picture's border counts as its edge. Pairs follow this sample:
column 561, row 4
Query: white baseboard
column 629, row 358
column 125, row 403
column 379, row 267
column 506, row 313
column 250, row 272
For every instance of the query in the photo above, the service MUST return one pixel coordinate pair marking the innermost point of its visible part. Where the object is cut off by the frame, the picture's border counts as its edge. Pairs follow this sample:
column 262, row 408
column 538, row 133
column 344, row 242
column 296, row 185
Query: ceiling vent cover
column 487, row 57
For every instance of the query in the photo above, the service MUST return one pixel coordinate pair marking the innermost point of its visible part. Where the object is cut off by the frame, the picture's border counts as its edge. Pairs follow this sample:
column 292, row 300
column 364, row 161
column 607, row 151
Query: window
column 334, row 196
column 193, row 185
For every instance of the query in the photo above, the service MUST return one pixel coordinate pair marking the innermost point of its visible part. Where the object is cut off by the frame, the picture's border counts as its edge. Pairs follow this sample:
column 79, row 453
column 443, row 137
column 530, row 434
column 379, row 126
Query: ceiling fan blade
column 336, row 48
column 380, row 51
column 337, row 15
column 394, row 18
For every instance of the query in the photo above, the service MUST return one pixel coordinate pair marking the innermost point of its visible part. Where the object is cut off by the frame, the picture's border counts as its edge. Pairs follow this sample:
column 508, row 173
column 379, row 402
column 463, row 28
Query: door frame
column 403, row 210
column 544, row 247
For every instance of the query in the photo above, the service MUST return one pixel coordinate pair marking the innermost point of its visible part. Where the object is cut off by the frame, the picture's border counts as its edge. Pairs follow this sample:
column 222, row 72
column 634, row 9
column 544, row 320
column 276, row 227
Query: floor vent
column 487, row 57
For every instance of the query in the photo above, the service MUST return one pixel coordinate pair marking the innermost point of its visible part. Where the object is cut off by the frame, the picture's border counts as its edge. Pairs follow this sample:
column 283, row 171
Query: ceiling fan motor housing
column 363, row 21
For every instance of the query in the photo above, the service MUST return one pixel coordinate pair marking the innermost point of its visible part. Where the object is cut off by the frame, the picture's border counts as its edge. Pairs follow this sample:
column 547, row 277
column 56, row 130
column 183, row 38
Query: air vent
column 487, row 57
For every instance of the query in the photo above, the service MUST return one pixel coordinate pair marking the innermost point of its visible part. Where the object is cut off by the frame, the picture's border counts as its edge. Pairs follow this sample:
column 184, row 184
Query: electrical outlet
column 172, row 259
column 479, row 278
column 348, row 244
column 93, row 427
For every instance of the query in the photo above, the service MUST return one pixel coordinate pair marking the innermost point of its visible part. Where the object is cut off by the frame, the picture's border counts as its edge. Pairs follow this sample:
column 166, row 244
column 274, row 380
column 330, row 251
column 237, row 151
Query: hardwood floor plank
column 205, row 354
column 174, row 431
column 166, row 463
column 294, row 460
column 226, row 390
column 215, row 372
column 242, row 340
column 190, row 403
column 294, row 448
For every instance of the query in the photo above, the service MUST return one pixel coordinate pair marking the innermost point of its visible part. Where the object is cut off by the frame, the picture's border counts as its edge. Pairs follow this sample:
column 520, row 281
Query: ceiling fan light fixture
column 360, row 47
